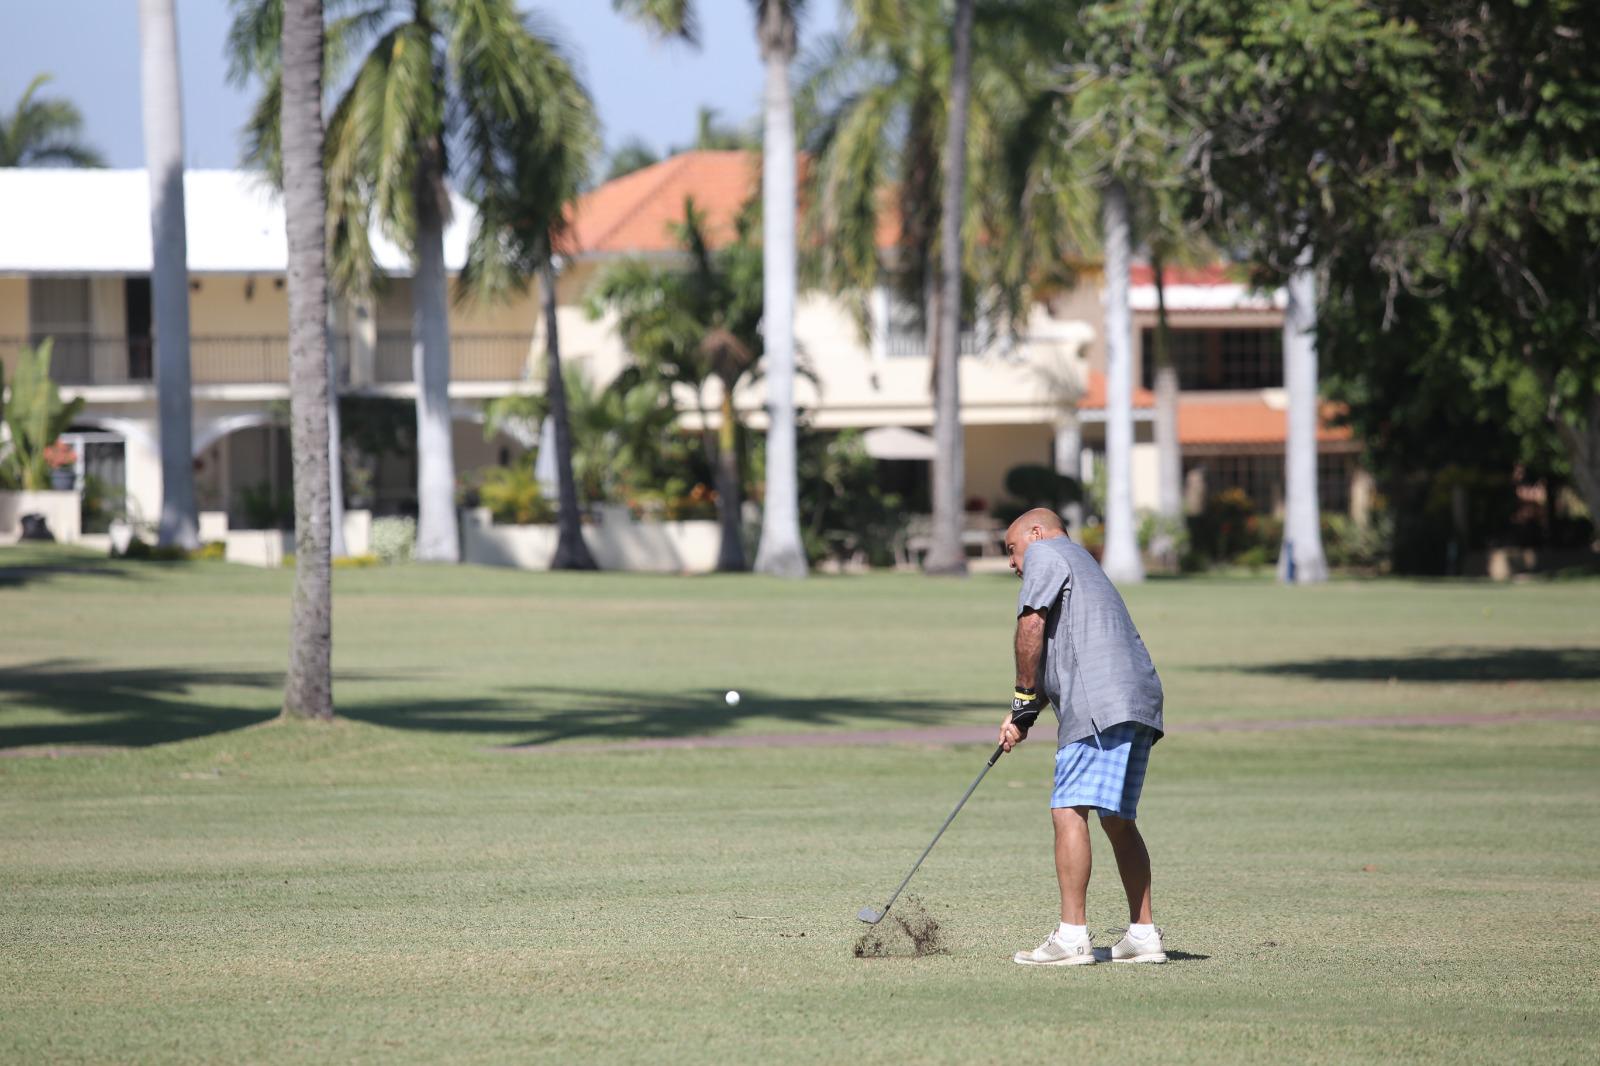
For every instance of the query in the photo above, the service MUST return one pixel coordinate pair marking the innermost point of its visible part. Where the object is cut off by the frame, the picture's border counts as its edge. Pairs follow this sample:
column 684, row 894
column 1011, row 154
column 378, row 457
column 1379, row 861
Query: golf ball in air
column 732, row 698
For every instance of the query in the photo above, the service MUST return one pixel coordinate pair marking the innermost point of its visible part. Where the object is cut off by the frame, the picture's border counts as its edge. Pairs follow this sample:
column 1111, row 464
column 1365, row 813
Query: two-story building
column 75, row 260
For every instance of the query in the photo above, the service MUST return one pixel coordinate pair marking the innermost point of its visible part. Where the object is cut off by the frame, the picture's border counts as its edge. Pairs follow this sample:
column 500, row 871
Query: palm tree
column 1121, row 561
column 877, row 102
column 308, row 689
column 45, row 132
column 947, row 554
column 1301, row 561
column 435, row 92
column 169, row 275
column 692, row 324
column 781, row 551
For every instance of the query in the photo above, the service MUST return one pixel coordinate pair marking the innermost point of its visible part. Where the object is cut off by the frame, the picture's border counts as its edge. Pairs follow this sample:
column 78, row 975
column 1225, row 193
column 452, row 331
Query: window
column 1333, row 481
column 59, row 308
column 1261, row 477
column 1215, row 359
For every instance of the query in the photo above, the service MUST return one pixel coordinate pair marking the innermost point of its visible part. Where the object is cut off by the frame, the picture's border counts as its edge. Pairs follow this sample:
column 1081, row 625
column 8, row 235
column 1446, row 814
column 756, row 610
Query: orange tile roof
column 1247, row 422
column 635, row 212
column 1094, row 397
column 1214, row 274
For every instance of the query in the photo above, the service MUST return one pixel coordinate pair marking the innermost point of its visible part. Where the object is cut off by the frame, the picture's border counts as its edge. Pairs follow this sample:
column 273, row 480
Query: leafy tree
column 44, row 131
column 463, row 88
column 1437, row 159
column 632, row 155
column 692, row 324
column 780, row 551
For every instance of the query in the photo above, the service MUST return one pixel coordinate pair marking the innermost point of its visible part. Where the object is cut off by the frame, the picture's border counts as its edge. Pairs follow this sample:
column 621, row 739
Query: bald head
column 1041, row 523
column 1046, row 520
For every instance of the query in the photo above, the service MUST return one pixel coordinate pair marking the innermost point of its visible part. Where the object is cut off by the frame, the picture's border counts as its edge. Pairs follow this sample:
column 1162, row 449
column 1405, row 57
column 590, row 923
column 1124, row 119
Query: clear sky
column 643, row 88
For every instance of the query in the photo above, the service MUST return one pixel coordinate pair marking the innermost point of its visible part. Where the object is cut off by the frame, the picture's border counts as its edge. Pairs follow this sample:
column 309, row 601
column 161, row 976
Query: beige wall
column 13, row 316
column 992, row 451
column 220, row 307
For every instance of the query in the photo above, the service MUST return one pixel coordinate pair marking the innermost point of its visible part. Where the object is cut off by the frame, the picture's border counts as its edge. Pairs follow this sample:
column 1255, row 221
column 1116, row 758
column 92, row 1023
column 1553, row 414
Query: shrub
column 513, row 496
column 356, row 562
column 393, row 539
column 211, row 550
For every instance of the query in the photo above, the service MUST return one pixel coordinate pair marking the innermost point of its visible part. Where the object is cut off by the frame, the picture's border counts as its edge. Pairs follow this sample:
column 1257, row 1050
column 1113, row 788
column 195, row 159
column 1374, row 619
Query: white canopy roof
column 897, row 442
column 98, row 221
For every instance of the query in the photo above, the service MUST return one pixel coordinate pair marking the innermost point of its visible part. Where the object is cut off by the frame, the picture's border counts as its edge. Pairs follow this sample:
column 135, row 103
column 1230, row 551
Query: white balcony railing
column 263, row 359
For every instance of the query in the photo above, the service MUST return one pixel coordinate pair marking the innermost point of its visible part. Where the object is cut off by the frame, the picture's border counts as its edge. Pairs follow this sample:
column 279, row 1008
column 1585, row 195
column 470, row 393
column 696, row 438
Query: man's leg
column 1073, row 861
column 1133, row 863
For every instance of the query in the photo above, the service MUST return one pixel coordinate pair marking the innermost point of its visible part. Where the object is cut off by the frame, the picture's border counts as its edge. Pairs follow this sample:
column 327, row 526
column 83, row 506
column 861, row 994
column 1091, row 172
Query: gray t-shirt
column 1096, row 671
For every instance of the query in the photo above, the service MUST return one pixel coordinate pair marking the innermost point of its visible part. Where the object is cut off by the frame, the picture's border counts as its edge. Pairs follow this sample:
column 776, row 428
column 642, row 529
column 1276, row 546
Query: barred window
column 1215, row 359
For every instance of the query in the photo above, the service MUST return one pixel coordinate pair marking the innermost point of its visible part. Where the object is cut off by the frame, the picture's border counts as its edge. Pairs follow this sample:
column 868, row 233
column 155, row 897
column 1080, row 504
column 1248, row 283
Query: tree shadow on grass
column 535, row 716
column 124, row 707
column 31, row 573
column 1461, row 664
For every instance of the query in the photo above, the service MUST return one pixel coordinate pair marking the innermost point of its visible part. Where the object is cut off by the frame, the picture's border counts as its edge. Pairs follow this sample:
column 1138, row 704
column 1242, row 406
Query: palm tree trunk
column 1301, row 561
column 438, row 539
column 335, row 465
column 308, row 689
column 1169, row 451
column 730, row 553
column 169, row 275
column 572, row 551
column 780, row 551
column 1121, row 562
column 946, row 553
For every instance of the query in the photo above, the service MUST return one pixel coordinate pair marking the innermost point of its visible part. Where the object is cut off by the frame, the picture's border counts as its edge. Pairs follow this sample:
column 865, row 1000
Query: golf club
column 872, row 917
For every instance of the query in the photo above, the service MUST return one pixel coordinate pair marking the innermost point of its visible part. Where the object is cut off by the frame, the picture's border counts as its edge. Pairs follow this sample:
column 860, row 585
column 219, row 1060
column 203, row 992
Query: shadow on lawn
column 537, row 716
column 31, row 573
column 1448, row 664
column 129, row 708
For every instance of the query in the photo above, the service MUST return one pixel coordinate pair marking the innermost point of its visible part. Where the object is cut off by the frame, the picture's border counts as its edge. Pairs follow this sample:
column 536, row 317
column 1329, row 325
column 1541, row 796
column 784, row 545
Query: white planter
column 660, row 547
column 61, row 510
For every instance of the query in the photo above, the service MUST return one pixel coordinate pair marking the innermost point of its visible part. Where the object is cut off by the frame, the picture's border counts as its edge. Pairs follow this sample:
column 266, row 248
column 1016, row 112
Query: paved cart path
column 975, row 734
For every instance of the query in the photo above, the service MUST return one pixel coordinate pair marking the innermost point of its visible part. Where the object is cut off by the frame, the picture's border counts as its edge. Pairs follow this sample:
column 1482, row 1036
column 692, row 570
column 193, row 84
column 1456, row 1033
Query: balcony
column 901, row 343
column 263, row 359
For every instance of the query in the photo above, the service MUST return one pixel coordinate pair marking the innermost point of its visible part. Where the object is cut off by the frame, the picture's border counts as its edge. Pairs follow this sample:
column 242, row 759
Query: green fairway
column 395, row 887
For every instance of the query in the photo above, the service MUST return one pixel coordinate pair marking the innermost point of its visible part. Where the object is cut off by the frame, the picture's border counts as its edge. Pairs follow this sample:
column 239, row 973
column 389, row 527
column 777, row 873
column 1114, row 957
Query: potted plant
column 62, row 461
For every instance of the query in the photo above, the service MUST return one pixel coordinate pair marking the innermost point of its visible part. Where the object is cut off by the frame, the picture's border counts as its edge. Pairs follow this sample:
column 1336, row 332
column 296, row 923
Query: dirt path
column 968, row 734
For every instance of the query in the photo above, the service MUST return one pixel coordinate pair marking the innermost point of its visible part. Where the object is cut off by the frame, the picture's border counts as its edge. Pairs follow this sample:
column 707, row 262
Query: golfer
column 1077, row 648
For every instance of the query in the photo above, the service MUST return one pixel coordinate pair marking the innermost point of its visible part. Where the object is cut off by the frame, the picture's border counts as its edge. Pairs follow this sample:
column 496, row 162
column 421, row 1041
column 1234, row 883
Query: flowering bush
column 59, row 454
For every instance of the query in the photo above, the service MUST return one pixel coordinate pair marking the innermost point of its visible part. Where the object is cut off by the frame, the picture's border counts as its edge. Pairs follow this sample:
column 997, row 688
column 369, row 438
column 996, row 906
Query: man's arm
column 1029, row 647
column 1025, row 703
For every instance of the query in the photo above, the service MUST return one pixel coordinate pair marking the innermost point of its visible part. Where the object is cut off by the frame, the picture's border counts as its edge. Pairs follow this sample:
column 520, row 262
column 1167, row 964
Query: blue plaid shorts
column 1105, row 770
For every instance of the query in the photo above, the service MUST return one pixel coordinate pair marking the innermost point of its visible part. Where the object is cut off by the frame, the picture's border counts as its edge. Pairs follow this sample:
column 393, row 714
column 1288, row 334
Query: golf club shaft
column 998, row 751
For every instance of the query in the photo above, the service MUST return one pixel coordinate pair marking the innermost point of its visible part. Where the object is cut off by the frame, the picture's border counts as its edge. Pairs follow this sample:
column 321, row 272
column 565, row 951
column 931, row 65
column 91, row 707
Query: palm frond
column 666, row 18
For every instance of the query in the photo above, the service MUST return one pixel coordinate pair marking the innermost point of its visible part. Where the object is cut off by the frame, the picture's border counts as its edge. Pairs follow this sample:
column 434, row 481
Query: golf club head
column 870, row 916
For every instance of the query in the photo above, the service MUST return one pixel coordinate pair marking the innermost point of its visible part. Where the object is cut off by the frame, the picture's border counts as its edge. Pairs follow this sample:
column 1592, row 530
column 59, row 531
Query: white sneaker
column 1054, row 953
column 1148, row 949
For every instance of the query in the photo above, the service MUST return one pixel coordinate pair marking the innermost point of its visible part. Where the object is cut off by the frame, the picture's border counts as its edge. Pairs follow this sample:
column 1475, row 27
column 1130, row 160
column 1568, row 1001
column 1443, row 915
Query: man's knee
column 1116, row 828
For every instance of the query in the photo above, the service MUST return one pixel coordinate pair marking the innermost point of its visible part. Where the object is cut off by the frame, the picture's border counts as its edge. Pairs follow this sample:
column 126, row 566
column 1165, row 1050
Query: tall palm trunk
column 1121, row 561
column 730, row 553
column 780, row 551
column 438, row 539
column 1169, row 451
column 169, row 275
column 308, row 689
column 335, row 463
column 1301, row 561
column 572, row 551
column 946, row 554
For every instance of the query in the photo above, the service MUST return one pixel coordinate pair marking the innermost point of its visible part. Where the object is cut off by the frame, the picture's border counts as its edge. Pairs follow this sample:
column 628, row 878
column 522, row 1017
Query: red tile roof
column 1094, row 397
column 1246, row 422
column 635, row 212
column 1214, row 274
